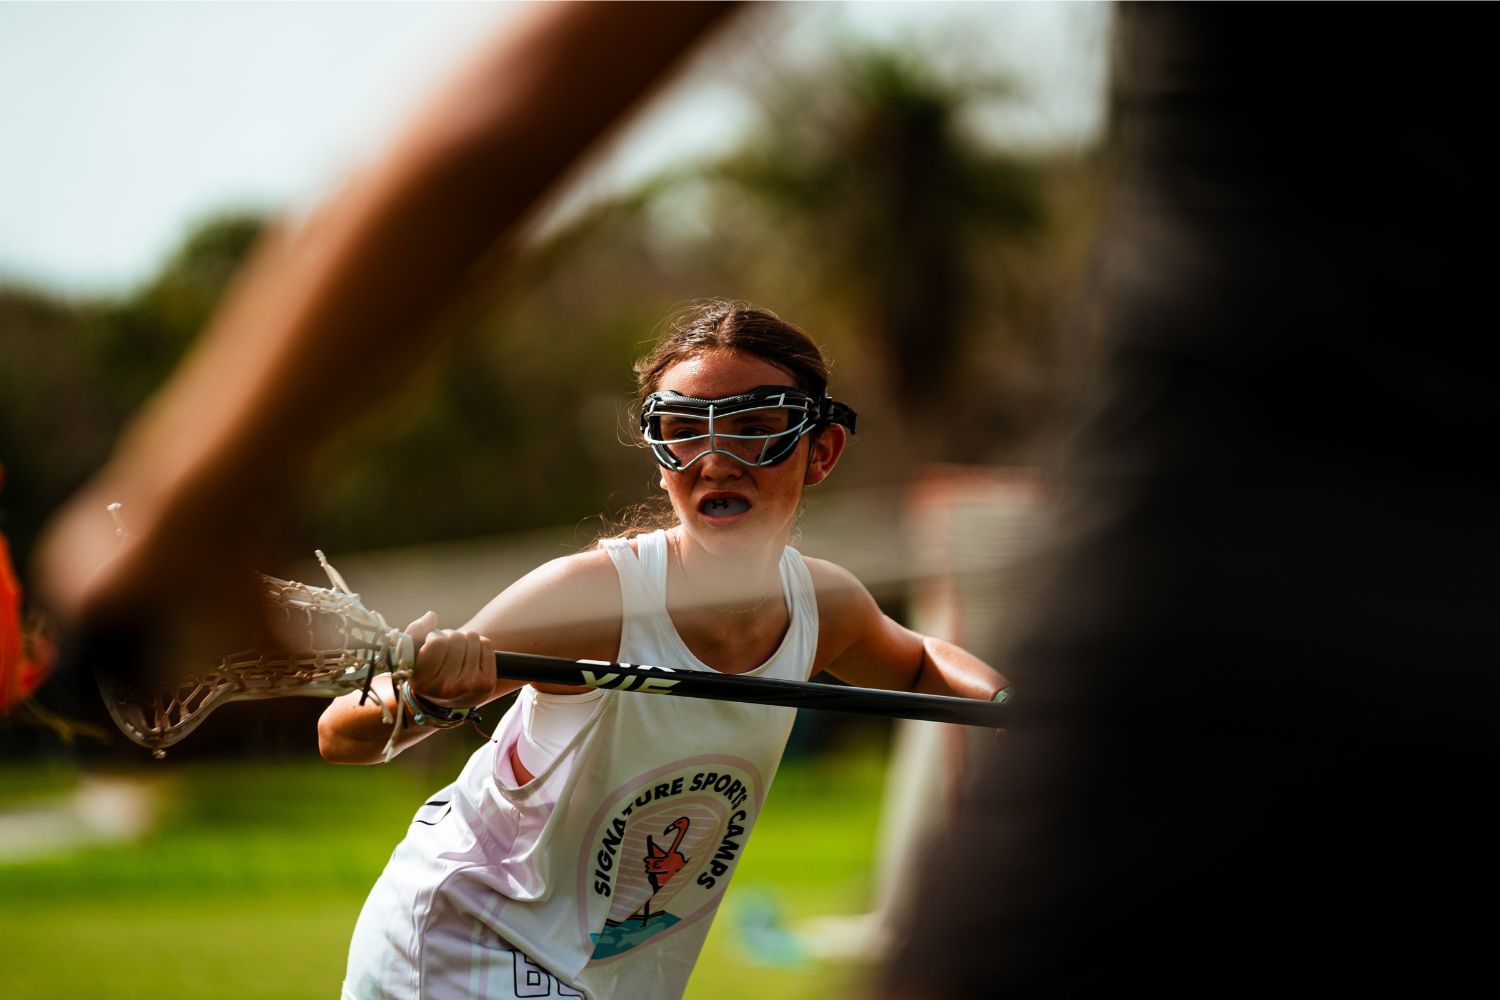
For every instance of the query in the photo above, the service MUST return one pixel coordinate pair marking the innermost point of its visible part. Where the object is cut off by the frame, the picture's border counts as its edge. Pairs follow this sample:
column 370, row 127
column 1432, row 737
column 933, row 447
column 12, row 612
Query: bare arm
column 334, row 312
column 860, row 644
column 353, row 733
column 569, row 607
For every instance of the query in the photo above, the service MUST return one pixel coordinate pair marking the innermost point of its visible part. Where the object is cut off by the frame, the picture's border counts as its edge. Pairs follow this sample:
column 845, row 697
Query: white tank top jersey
column 598, row 878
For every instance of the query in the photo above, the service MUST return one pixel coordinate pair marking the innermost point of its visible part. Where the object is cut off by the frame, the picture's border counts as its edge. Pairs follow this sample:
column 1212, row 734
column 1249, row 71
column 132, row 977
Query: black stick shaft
column 757, row 690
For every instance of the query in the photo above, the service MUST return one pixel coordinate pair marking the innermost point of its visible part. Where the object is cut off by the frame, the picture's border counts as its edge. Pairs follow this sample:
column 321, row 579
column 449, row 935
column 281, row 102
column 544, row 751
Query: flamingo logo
column 660, row 864
column 661, row 850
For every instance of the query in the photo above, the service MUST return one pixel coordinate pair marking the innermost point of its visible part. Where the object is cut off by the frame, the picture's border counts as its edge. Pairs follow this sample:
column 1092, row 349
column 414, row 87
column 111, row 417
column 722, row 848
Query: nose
column 718, row 467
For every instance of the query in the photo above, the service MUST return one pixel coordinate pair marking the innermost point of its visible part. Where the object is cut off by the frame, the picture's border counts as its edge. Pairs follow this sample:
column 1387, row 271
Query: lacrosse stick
column 644, row 679
column 344, row 645
column 332, row 643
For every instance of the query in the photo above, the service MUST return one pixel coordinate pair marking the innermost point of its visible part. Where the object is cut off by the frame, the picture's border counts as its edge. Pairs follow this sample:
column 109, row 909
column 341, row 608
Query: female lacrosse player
column 584, row 850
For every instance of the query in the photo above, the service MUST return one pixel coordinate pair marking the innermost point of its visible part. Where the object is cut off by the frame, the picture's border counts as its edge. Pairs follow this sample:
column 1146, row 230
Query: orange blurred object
column 24, row 662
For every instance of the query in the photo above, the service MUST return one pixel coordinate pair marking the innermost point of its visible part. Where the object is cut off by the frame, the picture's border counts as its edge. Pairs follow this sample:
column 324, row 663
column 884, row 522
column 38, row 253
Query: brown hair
column 721, row 325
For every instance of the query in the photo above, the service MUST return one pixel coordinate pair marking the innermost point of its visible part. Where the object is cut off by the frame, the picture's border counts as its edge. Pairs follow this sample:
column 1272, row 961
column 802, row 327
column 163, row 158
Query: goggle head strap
column 831, row 411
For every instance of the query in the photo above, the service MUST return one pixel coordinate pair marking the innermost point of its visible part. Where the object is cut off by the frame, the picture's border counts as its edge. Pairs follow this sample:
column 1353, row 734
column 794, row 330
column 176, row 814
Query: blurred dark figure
column 1252, row 751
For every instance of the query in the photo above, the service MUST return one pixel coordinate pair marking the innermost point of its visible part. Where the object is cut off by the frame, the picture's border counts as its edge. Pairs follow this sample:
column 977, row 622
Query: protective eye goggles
column 756, row 428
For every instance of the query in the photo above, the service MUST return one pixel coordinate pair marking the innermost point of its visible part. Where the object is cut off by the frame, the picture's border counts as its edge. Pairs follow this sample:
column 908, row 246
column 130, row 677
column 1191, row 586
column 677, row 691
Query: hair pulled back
column 722, row 325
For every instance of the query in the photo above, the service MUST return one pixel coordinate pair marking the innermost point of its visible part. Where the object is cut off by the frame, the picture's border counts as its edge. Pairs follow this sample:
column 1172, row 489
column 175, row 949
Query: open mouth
column 723, row 506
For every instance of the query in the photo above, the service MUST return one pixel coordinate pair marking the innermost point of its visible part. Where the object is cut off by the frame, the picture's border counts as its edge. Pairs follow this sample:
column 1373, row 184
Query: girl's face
column 723, row 505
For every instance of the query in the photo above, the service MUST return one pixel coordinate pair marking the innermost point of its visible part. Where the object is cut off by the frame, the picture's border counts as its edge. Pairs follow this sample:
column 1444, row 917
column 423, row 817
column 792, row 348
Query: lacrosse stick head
column 326, row 644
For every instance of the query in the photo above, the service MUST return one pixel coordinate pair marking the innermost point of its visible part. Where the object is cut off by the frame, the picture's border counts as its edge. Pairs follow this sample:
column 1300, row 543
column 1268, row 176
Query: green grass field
column 250, row 883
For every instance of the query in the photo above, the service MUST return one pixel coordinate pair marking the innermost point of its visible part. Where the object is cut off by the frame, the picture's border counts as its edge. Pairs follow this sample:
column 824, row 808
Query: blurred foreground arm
column 326, row 318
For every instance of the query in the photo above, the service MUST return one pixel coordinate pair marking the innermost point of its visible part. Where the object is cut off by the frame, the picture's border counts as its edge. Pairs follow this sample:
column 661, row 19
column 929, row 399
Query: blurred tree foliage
column 935, row 267
column 942, row 266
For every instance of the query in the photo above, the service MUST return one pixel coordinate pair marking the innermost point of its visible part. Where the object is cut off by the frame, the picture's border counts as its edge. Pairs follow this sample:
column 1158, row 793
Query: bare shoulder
column 581, row 571
column 568, row 606
column 857, row 641
column 836, row 588
column 846, row 610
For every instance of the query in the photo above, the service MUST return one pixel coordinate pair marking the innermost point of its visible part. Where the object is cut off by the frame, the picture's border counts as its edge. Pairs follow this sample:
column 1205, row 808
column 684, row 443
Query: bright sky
column 122, row 123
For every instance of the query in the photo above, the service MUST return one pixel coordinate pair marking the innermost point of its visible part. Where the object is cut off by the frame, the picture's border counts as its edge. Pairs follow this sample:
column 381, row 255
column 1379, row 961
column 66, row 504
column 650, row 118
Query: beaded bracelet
column 425, row 713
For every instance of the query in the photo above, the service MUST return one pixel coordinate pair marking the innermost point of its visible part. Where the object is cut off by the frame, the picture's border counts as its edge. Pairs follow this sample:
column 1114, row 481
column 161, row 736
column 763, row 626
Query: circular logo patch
column 664, row 847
